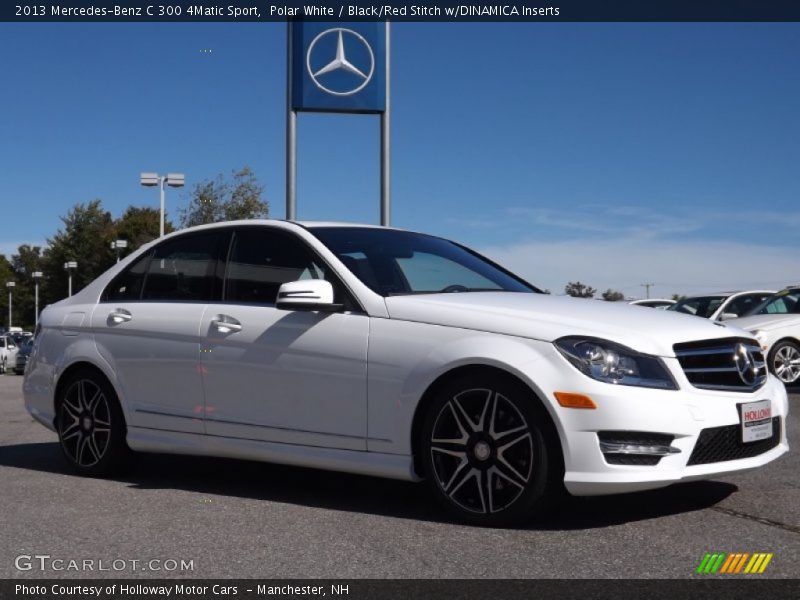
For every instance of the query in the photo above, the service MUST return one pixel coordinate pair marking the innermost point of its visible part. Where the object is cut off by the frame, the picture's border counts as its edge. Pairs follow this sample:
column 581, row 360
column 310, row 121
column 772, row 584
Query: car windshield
column 392, row 262
column 701, row 306
column 783, row 303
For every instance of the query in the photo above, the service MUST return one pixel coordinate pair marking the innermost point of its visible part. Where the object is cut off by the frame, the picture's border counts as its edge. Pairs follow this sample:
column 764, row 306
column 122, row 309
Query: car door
column 4, row 353
column 147, row 327
column 276, row 375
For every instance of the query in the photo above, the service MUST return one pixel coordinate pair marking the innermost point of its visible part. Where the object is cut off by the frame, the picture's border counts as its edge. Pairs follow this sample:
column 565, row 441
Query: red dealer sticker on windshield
column 756, row 421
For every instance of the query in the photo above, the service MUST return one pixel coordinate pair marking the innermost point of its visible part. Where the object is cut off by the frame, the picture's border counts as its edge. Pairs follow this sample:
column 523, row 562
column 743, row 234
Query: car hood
column 765, row 322
column 547, row 318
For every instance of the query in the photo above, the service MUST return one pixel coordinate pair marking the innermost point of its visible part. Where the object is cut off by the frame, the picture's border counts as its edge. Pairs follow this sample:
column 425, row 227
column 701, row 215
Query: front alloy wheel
column 91, row 429
column 485, row 455
column 785, row 361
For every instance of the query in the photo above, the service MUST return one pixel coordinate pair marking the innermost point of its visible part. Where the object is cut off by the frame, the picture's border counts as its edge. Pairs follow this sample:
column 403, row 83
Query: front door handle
column 119, row 315
column 226, row 324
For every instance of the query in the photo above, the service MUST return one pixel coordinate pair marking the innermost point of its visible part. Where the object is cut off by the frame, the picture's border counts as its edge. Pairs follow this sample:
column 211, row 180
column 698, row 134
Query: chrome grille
column 728, row 364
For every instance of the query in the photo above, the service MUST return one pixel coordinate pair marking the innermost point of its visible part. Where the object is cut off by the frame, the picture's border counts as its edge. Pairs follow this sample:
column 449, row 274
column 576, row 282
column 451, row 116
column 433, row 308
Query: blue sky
column 612, row 153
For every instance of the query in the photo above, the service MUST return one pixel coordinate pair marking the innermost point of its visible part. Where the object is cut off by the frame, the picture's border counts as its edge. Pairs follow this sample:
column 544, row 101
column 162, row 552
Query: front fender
column 405, row 358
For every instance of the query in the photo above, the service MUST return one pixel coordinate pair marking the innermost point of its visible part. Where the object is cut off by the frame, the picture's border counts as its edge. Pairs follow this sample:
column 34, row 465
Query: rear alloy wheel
column 785, row 361
column 91, row 428
column 484, row 451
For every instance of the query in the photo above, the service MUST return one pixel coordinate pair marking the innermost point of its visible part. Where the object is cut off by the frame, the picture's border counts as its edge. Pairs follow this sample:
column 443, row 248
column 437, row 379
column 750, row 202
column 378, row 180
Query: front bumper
column 682, row 414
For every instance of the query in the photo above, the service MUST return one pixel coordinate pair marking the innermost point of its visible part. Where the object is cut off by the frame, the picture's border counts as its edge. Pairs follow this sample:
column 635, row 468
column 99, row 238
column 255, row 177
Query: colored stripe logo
column 734, row 563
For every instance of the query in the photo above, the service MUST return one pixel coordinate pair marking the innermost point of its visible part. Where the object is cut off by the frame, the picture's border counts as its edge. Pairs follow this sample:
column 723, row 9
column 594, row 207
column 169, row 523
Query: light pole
column 119, row 245
column 10, row 285
column 70, row 266
column 37, row 275
column 154, row 179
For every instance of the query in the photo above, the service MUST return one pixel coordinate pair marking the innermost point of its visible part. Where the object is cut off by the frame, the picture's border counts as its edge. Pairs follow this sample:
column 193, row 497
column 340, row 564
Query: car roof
column 279, row 223
column 282, row 223
column 340, row 224
column 729, row 294
column 717, row 295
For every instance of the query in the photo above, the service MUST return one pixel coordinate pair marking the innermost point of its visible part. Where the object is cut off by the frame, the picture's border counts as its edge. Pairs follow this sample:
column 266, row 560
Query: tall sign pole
column 338, row 68
column 291, row 134
column 386, row 142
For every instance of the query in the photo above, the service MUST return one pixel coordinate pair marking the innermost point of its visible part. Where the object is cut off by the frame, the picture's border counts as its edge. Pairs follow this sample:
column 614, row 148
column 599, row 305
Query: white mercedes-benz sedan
column 396, row 354
column 776, row 325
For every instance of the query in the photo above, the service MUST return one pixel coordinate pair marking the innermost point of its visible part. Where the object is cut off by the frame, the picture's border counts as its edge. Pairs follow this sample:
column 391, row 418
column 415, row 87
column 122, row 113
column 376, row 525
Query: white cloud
column 624, row 264
column 641, row 222
column 605, row 220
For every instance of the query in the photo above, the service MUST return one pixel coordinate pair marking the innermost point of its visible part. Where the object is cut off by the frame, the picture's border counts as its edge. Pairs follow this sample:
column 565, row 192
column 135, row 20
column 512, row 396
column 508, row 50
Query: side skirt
column 391, row 466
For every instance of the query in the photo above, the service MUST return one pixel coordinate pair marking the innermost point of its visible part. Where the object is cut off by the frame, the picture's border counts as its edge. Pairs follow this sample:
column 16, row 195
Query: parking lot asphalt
column 243, row 519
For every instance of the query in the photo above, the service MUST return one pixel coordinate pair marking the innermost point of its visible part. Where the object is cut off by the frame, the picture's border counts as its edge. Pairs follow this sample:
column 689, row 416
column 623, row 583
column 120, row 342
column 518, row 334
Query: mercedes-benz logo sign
column 745, row 364
column 360, row 74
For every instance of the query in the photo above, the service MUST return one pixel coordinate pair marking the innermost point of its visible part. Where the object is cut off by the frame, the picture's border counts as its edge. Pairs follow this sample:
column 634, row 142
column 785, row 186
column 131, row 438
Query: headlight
column 611, row 363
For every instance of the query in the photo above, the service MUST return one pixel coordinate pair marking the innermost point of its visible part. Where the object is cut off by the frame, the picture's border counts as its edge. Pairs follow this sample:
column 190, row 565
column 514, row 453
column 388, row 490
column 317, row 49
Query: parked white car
column 721, row 307
column 776, row 325
column 659, row 303
column 8, row 353
column 391, row 353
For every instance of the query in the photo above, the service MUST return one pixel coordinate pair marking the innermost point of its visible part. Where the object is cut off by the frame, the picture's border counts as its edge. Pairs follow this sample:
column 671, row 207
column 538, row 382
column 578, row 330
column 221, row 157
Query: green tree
column 677, row 297
column 139, row 225
column 86, row 238
column 613, row 295
column 576, row 289
column 25, row 263
column 220, row 200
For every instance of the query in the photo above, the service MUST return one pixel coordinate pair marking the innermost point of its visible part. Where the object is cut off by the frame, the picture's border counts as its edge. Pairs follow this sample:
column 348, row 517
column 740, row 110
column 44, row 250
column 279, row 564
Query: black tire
column 782, row 361
column 484, row 451
column 3, row 367
column 91, row 426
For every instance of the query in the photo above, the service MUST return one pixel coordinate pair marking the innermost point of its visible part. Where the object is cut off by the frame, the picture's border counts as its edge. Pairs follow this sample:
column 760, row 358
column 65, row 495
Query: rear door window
column 185, row 269
column 127, row 286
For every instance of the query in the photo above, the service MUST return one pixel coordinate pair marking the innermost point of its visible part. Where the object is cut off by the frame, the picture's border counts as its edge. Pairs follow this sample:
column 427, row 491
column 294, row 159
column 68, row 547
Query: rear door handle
column 226, row 324
column 120, row 315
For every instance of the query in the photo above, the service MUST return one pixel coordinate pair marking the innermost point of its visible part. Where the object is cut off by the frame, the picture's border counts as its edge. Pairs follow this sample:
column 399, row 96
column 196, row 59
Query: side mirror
column 307, row 294
column 725, row 316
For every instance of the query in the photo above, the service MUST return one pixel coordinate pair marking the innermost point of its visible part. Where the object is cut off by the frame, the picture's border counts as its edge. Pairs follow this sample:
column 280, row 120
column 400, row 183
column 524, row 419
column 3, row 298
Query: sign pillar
column 291, row 135
column 386, row 145
column 338, row 68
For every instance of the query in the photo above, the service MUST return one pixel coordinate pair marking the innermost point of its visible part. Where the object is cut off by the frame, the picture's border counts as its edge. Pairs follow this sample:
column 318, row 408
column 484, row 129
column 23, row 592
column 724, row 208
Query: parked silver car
column 23, row 353
column 8, row 353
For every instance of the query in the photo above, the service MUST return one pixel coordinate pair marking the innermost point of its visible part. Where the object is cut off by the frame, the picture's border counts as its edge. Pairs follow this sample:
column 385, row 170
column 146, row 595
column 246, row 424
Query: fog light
column 617, row 448
column 635, row 448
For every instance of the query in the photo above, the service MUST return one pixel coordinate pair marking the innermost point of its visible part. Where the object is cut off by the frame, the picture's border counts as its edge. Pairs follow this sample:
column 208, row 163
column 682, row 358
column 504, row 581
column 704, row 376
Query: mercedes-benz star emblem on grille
column 359, row 74
column 746, row 364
